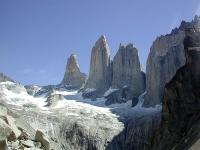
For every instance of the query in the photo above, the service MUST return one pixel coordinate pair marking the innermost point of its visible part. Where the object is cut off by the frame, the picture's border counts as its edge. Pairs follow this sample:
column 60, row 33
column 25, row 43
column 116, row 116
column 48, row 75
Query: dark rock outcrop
column 165, row 58
column 39, row 136
column 73, row 78
column 180, row 125
column 113, row 97
column 32, row 90
column 53, row 99
column 137, row 133
column 100, row 69
column 117, row 95
column 134, row 101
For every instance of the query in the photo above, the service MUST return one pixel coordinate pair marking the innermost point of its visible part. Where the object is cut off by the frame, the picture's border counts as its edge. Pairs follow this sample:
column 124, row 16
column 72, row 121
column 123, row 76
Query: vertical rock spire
column 73, row 78
column 100, row 67
column 127, row 70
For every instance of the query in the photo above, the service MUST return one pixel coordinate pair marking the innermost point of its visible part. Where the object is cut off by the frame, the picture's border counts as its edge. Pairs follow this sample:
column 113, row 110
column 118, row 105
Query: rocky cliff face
column 180, row 123
column 73, row 78
column 165, row 58
column 100, row 68
column 137, row 133
column 127, row 71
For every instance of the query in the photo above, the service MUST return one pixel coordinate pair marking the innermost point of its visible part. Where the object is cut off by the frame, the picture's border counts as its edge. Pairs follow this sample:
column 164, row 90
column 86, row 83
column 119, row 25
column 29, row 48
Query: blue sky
column 37, row 36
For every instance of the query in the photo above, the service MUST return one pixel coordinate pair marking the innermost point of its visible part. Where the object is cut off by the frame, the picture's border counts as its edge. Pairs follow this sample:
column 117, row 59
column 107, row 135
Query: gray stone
column 32, row 90
column 38, row 144
column 100, row 68
column 15, row 131
column 40, row 137
column 73, row 78
column 13, row 144
column 165, row 58
column 53, row 99
column 28, row 143
column 113, row 97
column 127, row 71
column 180, row 124
column 5, row 130
column 4, row 145
column 117, row 95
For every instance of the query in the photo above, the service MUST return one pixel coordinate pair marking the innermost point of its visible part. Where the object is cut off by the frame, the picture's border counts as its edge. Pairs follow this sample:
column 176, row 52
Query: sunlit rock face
column 99, row 79
column 127, row 71
column 180, row 123
column 73, row 78
column 166, row 57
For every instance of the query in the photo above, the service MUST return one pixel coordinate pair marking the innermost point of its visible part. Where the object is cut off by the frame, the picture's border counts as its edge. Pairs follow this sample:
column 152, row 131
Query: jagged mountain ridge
column 179, row 128
column 166, row 56
column 76, row 123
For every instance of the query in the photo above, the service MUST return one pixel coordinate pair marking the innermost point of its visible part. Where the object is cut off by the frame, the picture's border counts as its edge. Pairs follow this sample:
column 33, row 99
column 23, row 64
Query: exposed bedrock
column 127, row 71
column 99, row 79
column 165, row 58
column 180, row 124
column 73, row 78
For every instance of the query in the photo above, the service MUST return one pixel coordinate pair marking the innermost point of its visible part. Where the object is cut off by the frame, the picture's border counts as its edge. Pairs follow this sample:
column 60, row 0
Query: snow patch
column 109, row 91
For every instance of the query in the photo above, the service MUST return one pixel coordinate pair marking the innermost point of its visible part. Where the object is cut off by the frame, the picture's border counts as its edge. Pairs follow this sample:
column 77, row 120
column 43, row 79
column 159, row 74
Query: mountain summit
column 100, row 67
column 73, row 77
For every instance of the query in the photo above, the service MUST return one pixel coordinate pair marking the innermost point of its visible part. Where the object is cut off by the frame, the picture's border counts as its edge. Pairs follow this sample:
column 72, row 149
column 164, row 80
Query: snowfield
column 16, row 94
column 71, row 115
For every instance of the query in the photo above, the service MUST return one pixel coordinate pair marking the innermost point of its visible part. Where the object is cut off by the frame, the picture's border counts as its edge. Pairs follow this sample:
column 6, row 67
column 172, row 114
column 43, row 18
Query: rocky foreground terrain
column 117, row 107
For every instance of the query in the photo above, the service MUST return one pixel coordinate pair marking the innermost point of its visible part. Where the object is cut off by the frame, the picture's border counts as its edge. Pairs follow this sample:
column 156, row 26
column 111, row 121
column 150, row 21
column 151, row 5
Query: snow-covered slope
column 72, row 120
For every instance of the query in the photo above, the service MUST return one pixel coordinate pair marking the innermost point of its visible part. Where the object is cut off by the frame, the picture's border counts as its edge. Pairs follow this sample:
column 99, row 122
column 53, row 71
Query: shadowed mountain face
column 180, row 123
column 166, row 56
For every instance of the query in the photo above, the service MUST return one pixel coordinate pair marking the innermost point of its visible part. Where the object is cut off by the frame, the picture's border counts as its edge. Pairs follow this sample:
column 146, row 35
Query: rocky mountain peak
column 179, row 126
column 100, row 67
column 127, row 70
column 102, row 45
column 73, row 78
column 72, row 64
column 194, row 25
column 166, row 56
